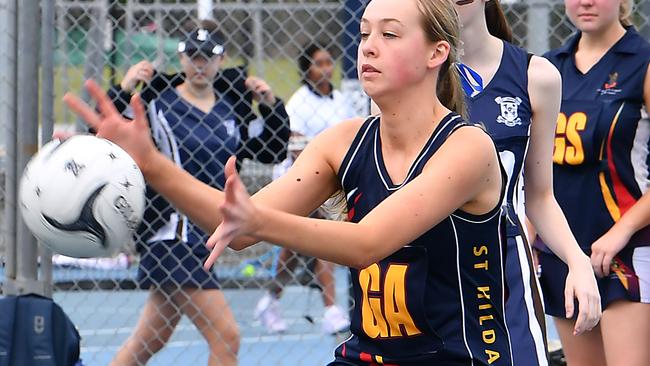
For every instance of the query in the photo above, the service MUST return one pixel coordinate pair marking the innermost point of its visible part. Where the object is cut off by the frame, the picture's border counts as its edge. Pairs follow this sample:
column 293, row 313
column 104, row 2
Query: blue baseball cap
column 204, row 42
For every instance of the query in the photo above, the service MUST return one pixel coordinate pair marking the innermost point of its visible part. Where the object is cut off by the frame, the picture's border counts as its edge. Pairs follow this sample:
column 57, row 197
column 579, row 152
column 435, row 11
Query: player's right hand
column 240, row 215
column 581, row 285
column 133, row 136
column 140, row 72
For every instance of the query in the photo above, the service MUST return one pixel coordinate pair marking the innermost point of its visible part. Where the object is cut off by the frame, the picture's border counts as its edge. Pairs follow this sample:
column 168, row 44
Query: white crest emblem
column 202, row 35
column 509, row 111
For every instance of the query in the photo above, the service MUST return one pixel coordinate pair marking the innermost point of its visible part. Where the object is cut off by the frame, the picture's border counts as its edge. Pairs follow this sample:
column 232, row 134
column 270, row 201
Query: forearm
column 636, row 218
column 350, row 244
column 548, row 219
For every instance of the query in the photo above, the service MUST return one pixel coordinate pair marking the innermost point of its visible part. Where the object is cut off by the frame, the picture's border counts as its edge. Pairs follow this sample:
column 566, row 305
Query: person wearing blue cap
column 198, row 119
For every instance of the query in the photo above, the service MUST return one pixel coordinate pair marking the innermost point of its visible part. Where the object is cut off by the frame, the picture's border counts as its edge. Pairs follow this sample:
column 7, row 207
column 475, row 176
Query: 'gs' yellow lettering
column 383, row 310
column 568, row 144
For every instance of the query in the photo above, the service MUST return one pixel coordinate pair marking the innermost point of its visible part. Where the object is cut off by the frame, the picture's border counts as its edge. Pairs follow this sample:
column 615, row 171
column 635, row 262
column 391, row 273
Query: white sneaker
column 268, row 312
column 335, row 320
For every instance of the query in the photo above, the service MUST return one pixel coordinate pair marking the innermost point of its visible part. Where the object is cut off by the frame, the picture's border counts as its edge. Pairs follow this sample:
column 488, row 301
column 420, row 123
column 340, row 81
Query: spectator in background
column 198, row 119
column 315, row 106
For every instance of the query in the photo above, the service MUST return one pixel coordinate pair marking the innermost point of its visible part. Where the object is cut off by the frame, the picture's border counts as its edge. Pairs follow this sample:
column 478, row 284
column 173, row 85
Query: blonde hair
column 440, row 23
column 625, row 13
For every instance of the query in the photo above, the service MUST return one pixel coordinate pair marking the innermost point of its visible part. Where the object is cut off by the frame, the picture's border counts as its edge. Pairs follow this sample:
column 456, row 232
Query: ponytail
column 496, row 21
column 625, row 13
column 450, row 90
column 440, row 23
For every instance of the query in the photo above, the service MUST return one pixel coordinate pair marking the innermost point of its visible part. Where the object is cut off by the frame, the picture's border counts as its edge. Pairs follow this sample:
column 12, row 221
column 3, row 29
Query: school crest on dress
column 509, row 110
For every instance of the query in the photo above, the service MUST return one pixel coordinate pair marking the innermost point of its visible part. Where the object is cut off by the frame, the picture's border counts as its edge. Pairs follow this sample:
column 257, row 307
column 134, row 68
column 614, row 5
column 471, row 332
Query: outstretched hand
column 133, row 136
column 581, row 285
column 239, row 215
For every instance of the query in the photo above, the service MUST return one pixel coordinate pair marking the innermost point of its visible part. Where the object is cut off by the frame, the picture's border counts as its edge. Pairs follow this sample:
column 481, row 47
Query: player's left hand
column 581, row 285
column 239, row 215
column 261, row 90
column 605, row 249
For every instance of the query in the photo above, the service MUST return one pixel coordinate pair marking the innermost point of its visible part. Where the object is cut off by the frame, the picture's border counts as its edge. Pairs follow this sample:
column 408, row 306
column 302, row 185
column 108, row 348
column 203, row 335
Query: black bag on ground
column 34, row 330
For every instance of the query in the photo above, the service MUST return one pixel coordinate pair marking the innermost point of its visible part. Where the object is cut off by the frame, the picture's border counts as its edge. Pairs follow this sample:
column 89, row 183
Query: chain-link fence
column 103, row 40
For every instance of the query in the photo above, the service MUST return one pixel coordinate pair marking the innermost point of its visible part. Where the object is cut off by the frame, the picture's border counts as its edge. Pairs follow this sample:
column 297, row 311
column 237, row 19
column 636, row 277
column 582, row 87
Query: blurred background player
column 601, row 177
column 196, row 125
column 315, row 106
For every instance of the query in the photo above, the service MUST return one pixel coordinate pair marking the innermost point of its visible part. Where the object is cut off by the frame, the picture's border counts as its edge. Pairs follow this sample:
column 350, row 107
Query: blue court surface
column 105, row 318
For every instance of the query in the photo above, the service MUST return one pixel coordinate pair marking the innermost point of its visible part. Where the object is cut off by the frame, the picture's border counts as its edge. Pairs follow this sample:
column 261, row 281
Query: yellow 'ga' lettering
column 383, row 312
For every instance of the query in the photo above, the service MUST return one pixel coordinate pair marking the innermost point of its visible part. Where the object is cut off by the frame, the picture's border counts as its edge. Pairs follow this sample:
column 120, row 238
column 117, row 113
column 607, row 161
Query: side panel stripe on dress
column 534, row 307
column 460, row 290
column 502, row 250
column 639, row 153
column 532, row 293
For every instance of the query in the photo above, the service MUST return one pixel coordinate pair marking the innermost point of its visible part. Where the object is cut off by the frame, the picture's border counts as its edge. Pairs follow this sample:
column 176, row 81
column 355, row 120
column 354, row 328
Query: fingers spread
column 218, row 242
column 211, row 259
column 83, row 110
column 138, row 111
column 104, row 103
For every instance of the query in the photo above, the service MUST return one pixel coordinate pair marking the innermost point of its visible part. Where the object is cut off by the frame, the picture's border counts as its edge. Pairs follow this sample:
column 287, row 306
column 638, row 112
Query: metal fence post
column 94, row 65
column 28, row 47
column 8, row 14
column 160, row 60
column 258, row 38
column 47, row 113
column 350, row 86
column 538, row 26
column 129, row 31
column 62, row 25
column 645, row 28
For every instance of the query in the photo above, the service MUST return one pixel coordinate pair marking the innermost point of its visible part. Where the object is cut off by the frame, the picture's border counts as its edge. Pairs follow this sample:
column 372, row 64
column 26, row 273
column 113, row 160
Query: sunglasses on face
column 464, row 2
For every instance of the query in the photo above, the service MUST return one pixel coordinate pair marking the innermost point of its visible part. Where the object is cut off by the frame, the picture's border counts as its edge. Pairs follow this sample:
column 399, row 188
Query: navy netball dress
column 438, row 300
column 601, row 159
column 504, row 108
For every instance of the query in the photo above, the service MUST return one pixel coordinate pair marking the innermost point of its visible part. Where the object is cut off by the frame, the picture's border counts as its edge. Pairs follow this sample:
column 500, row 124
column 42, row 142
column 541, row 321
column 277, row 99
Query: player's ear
column 439, row 52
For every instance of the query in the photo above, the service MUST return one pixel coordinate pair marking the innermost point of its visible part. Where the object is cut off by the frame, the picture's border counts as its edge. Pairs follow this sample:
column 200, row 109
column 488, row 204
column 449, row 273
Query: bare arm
column 300, row 192
column 541, row 207
column 464, row 174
